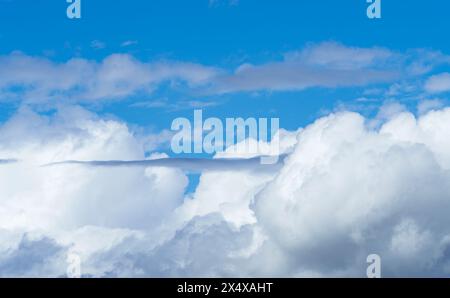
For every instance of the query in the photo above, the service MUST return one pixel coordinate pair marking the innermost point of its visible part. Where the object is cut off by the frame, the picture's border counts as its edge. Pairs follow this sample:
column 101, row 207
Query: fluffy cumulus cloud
column 42, row 204
column 348, row 191
column 344, row 191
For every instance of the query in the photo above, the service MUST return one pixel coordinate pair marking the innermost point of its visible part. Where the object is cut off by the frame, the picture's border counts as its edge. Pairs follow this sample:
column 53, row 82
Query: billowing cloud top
column 344, row 191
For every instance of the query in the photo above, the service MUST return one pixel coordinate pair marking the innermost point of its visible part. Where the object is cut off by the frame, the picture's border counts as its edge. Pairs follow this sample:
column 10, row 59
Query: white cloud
column 332, row 65
column 117, row 76
column 438, row 83
column 164, row 103
column 424, row 106
column 322, row 65
column 128, row 43
column 217, row 191
column 338, row 56
column 62, row 197
column 345, row 191
column 422, row 61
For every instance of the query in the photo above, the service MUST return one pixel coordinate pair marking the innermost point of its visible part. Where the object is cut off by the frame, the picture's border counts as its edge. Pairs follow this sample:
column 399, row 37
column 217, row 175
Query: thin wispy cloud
column 98, row 45
column 186, row 164
column 166, row 104
column 330, row 65
column 128, row 43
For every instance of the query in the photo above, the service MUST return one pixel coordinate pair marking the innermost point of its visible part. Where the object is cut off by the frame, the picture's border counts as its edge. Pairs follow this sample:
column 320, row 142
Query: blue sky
column 222, row 34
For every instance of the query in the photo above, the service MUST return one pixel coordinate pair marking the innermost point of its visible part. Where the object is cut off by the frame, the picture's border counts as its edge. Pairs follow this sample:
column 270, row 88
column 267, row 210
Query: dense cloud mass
column 345, row 190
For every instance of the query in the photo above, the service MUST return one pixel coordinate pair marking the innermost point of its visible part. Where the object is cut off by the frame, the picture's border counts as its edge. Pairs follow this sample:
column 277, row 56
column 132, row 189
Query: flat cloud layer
column 38, row 79
column 345, row 191
column 25, row 78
